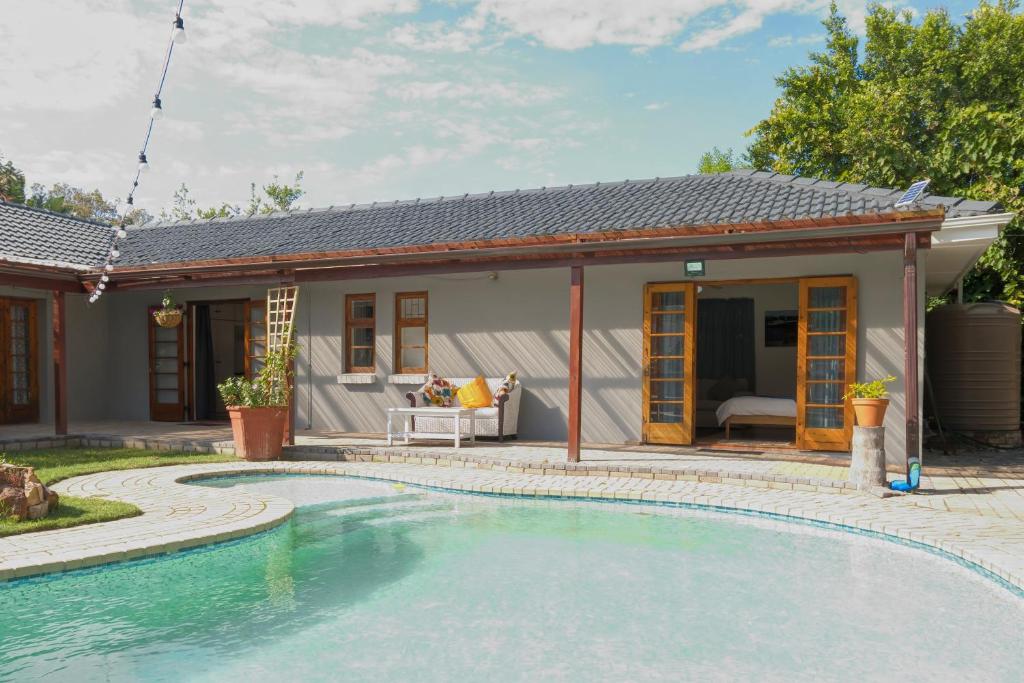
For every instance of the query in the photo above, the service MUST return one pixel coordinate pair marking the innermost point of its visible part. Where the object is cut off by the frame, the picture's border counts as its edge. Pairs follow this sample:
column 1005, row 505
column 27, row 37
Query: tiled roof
column 46, row 238
column 736, row 197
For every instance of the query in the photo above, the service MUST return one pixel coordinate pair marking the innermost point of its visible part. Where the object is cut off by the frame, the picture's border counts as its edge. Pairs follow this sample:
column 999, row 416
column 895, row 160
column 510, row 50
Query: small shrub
column 269, row 388
column 873, row 389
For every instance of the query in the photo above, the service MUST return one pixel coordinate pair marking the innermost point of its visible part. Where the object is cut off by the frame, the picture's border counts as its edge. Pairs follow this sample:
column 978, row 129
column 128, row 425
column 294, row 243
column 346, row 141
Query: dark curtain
column 206, row 389
column 725, row 339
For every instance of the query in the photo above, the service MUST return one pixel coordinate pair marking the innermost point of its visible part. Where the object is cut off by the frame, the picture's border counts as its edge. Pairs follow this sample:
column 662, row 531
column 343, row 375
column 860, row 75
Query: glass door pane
column 826, row 362
column 166, row 371
column 668, row 363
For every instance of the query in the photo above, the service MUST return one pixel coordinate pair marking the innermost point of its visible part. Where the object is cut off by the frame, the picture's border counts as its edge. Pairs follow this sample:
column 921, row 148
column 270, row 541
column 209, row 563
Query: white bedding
column 756, row 405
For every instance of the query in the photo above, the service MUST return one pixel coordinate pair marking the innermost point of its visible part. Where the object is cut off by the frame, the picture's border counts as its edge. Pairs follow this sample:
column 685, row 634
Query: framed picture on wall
column 780, row 328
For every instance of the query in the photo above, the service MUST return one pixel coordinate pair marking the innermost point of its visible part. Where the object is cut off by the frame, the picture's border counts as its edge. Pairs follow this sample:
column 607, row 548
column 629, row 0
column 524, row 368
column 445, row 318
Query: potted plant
column 169, row 315
column 870, row 400
column 258, row 408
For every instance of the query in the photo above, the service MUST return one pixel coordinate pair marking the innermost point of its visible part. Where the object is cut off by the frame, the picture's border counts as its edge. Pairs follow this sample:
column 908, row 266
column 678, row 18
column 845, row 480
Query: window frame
column 352, row 323
column 403, row 323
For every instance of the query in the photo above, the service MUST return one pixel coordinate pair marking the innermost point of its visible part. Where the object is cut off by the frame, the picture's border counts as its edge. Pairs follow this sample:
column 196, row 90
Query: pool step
column 325, row 519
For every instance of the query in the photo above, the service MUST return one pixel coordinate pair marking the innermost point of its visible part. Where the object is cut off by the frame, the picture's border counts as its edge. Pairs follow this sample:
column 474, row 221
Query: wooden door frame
column 190, row 346
column 688, row 426
column 29, row 413
column 806, row 439
column 155, row 414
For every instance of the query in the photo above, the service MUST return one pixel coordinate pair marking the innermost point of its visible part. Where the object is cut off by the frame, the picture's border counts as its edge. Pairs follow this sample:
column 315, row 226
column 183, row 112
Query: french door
column 19, row 362
column 826, row 362
column 669, row 377
column 166, row 371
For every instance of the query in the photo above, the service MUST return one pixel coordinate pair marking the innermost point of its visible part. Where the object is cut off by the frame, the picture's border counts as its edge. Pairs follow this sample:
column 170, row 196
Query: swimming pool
column 370, row 583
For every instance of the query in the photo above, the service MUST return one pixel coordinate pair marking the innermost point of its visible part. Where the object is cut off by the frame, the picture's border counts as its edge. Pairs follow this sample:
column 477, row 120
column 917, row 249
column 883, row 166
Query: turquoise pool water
column 366, row 583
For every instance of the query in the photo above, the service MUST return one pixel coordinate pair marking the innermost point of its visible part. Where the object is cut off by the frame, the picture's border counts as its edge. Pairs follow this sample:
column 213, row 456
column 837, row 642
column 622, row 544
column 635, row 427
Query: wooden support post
column 289, row 429
column 910, row 359
column 575, row 360
column 60, row 369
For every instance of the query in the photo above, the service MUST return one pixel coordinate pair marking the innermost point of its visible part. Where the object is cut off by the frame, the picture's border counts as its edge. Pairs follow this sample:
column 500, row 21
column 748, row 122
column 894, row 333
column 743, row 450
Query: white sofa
column 499, row 422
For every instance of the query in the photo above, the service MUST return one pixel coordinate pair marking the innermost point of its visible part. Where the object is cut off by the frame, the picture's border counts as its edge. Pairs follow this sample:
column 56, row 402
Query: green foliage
column 12, row 183
column 270, row 387
column 168, row 300
column 873, row 389
column 717, row 161
column 274, row 196
column 930, row 99
column 64, row 198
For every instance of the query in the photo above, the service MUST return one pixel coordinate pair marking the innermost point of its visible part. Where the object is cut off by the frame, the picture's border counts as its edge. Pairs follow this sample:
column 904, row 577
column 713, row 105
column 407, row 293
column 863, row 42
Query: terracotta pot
column 258, row 432
column 168, row 317
column 870, row 412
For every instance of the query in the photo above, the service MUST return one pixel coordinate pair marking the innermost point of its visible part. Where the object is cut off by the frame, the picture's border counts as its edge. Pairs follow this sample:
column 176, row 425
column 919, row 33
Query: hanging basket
column 168, row 317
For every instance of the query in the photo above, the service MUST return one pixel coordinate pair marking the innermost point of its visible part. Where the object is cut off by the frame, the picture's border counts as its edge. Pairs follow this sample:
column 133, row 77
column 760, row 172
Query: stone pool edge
column 918, row 527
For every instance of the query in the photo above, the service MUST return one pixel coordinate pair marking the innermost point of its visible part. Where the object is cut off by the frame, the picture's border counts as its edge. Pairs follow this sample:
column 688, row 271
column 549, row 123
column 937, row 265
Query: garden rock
column 22, row 495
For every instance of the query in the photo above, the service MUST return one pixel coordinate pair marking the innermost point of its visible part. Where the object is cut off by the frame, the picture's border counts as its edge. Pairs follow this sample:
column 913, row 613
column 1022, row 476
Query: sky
column 379, row 100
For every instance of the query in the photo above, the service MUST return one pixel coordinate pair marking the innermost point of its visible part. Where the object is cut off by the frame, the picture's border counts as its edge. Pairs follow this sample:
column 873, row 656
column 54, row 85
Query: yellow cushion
column 475, row 394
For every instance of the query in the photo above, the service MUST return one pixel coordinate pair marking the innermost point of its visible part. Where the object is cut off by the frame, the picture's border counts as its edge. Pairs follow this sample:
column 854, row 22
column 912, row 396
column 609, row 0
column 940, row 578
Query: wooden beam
column 60, row 368
column 910, row 357
column 43, row 283
column 319, row 273
column 575, row 360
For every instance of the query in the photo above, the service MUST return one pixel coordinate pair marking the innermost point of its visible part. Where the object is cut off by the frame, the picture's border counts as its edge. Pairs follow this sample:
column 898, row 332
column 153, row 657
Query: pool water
column 367, row 583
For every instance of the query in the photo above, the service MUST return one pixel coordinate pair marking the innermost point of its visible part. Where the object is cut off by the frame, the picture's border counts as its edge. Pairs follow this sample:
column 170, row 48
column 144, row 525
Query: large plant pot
column 258, row 432
column 870, row 412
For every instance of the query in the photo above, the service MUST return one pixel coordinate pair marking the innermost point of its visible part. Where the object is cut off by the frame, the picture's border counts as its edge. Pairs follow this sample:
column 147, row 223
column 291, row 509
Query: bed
column 756, row 410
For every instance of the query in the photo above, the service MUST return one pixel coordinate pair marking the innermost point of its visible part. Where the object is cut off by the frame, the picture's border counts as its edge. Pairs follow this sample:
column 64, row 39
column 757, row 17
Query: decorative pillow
column 507, row 385
column 438, row 392
column 476, row 394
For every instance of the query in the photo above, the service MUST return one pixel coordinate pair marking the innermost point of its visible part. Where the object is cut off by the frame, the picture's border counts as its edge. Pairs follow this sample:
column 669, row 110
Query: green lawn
column 60, row 463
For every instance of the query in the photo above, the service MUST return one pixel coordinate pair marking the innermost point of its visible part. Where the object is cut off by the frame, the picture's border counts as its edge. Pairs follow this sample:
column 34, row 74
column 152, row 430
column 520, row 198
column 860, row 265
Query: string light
column 156, row 113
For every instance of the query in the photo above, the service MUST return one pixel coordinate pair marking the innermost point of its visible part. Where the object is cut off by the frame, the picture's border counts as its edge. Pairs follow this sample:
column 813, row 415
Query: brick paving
column 178, row 516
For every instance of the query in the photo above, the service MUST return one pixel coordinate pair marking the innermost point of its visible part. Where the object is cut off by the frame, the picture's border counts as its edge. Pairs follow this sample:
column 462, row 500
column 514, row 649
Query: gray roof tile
column 735, row 197
column 41, row 237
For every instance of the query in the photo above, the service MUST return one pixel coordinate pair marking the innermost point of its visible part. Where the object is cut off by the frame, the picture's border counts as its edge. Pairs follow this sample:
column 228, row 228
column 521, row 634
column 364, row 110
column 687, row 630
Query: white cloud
column 789, row 41
column 435, row 37
column 655, row 106
column 476, row 94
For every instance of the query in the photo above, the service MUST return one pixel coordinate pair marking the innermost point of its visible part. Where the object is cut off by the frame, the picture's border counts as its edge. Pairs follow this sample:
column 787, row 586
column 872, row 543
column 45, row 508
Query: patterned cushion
column 438, row 392
column 507, row 385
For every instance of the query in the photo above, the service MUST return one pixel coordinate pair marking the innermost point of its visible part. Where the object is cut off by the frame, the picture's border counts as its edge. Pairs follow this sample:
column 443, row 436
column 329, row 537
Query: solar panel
column 913, row 193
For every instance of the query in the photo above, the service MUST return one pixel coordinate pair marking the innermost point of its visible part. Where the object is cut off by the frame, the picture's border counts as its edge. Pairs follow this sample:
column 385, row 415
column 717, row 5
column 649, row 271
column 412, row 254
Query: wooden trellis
column 281, row 303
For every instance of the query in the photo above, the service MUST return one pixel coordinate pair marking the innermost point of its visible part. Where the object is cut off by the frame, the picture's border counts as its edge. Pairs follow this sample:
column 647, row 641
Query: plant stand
column 867, row 459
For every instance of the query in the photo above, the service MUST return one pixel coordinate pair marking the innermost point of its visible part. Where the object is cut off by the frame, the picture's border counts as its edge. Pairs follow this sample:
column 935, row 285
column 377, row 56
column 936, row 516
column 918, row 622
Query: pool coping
column 150, row 535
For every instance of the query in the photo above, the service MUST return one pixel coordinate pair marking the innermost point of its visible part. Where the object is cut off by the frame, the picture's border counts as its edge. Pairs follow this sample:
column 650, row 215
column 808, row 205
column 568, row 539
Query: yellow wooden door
column 669, row 376
column 826, row 362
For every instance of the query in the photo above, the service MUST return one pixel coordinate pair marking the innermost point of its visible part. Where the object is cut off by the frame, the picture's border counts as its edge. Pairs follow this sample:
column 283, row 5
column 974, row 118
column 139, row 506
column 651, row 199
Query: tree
column 12, row 182
column 930, row 99
column 717, row 161
column 64, row 198
column 275, row 196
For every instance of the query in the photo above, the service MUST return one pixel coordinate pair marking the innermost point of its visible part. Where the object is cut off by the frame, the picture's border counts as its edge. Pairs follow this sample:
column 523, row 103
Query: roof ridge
column 58, row 214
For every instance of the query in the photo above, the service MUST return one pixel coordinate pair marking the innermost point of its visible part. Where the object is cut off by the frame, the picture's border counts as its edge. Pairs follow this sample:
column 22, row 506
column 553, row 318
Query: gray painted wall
column 518, row 321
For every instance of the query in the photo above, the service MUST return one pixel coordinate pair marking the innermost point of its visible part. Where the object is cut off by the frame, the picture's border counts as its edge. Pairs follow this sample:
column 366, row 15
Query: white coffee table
column 407, row 433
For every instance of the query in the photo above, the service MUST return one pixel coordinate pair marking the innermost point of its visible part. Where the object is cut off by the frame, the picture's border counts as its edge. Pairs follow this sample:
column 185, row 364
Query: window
column 360, row 332
column 410, row 333
column 255, row 336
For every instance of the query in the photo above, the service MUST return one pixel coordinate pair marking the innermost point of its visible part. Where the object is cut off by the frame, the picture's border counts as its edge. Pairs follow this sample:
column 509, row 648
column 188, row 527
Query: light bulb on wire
column 157, row 112
column 114, row 253
column 179, row 35
column 105, row 278
column 121, row 233
column 143, row 163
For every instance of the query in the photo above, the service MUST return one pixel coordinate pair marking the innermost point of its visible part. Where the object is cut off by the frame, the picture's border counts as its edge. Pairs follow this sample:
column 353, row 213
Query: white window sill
column 407, row 379
column 357, row 378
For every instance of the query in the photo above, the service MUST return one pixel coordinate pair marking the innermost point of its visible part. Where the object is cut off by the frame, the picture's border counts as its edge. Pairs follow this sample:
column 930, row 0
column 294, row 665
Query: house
column 697, row 289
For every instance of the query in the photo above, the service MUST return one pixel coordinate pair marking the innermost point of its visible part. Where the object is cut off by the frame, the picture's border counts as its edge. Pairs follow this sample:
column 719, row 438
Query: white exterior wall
column 481, row 326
